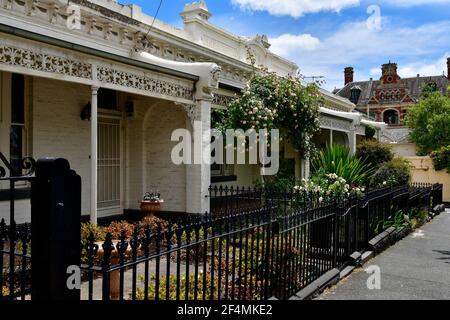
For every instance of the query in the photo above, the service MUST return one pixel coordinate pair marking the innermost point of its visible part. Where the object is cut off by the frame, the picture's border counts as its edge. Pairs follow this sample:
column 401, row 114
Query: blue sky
column 324, row 36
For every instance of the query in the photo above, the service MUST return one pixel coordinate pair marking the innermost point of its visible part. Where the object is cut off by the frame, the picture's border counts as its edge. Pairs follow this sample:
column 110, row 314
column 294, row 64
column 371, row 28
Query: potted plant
column 151, row 202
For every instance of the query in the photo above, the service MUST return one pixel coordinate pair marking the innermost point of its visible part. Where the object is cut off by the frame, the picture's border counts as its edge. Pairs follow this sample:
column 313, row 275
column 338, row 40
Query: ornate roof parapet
column 197, row 10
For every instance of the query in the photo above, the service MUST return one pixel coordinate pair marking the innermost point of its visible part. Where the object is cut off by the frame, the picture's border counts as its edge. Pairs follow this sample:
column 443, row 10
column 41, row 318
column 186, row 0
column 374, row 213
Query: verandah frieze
column 141, row 82
column 34, row 60
column 44, row 62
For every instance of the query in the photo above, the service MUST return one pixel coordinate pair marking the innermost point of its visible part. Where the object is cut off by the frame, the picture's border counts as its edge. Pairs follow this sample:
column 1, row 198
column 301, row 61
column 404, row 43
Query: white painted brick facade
column 58, row 131
column 148, row 151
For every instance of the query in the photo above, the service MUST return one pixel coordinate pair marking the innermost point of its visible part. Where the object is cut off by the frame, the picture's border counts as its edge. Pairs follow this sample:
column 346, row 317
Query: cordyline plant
column 273, row 102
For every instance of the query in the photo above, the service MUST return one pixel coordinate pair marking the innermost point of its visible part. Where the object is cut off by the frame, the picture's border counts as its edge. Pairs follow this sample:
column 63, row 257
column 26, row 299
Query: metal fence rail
column 258, row 250
column 255, row 244
column 15, row 241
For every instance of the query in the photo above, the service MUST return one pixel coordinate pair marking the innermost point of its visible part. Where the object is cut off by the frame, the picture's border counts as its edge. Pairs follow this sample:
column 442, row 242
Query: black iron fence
column 270, row 245
column 15, row 240
column 258, row 244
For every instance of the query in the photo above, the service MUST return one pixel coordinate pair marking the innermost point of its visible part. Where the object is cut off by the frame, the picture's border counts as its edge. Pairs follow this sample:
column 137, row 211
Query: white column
column 94, row 150
column 331, row 137
column 305, row 167
column 352, row 140
column 198, row 174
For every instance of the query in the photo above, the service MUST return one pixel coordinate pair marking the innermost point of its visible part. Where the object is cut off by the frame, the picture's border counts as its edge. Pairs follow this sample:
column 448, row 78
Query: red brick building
column 389, row 98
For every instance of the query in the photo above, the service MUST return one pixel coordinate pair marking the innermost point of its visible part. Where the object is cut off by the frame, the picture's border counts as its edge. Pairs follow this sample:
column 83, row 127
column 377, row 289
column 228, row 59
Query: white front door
column 109, row 166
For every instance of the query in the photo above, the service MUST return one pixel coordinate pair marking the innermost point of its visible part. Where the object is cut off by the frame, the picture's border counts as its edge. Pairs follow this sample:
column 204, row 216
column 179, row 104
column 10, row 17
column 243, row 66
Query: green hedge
column 374, row 152
column 392, row 173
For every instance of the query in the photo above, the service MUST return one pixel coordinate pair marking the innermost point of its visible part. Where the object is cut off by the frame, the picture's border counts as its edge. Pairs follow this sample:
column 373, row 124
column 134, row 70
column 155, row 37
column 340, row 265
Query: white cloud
column 353, row 44
column 294, row 8
column 424, row 68
column 288, row 43
column 412, row 3
column 298, row 8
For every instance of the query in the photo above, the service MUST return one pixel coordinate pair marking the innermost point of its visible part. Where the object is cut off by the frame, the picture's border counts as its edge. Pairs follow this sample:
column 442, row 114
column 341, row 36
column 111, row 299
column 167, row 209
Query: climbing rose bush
column 272, row 102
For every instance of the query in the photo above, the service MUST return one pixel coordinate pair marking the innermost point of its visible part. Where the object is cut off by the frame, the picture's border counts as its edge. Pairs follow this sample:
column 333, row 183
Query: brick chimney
column 448, row 69
column 348, row 73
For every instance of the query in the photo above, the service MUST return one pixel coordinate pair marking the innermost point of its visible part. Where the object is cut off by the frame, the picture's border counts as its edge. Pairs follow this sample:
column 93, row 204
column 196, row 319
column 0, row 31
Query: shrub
column 326, row 185
column 396, row 219
column 393, row 173
column 370, row 132
column 116, row 229
column 441, row 158
column 374, row 152
column 153, row 223
column 88, row 228
column 173, row 280
column 419, row 217
column 336, row 159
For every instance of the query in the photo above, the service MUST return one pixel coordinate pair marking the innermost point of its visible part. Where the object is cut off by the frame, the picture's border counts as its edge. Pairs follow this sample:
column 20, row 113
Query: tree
column 429, row 121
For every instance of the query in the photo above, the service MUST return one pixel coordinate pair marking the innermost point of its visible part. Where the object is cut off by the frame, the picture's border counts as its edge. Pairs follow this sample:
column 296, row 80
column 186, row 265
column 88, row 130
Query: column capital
column 94, row 89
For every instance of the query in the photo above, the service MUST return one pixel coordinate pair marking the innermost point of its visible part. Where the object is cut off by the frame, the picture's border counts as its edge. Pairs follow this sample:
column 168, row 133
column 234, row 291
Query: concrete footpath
column 416, row 268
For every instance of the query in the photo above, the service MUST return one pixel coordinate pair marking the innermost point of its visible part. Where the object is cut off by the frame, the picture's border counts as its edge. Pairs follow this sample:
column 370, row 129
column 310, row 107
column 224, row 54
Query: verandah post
column 55, row 229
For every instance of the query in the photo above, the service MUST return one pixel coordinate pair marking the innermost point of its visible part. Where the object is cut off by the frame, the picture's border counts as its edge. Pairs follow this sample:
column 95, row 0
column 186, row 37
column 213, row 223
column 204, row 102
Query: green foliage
column 374, row 152
column 429, row 89
column 392, row 173
column 338, row 160
column 88, row 228
column 441, row 158
column 173, row 280
column 396, row 219
column 370, row 132
column 429, row 122
column 219, row 119
column 418, row 218
column 284, row 179
column 329, row 184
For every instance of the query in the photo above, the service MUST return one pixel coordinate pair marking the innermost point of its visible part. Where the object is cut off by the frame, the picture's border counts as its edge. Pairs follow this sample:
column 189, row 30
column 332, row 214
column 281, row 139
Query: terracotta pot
column 151, row 206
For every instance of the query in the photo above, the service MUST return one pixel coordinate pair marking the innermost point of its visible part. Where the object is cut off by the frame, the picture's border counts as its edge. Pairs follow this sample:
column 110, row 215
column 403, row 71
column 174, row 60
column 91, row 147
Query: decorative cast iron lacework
column 335, row 123
column 222, row 100
column 44, row 62
column 27, row 167
column 130, row 80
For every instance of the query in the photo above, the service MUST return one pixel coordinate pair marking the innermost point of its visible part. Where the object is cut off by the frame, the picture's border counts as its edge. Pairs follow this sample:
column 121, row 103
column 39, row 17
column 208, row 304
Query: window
column 391, row 117
column 17, row 131
column 221, row 172
column 355, row 93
